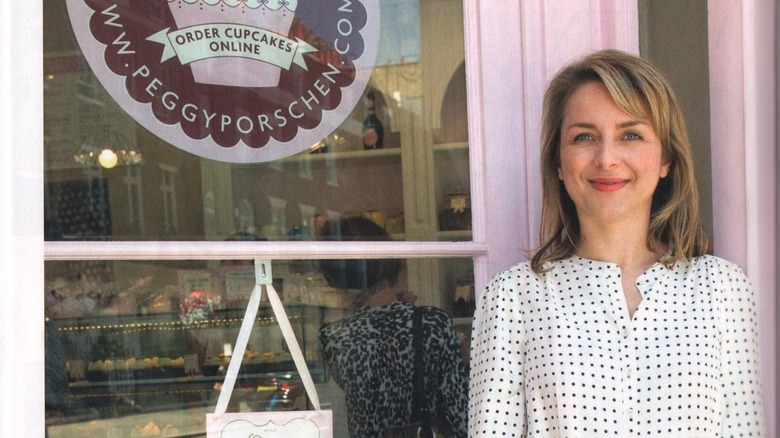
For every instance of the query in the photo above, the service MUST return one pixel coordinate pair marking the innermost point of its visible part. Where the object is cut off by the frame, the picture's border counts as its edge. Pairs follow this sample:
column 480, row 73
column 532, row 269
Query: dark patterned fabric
column 370, row 355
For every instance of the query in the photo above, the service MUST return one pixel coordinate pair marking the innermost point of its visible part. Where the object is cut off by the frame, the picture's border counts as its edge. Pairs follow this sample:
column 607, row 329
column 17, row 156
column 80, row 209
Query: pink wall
column 513, row 66
column 742, row 93
column 511, row 78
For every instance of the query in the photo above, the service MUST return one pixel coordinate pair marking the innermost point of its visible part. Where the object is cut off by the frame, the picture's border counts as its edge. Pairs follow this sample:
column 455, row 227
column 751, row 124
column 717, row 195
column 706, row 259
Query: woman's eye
column 632, row 136
column 583, row 137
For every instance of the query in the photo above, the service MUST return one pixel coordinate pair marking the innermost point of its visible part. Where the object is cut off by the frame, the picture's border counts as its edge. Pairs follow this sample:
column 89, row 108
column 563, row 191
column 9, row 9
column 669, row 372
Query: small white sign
column 286, row 424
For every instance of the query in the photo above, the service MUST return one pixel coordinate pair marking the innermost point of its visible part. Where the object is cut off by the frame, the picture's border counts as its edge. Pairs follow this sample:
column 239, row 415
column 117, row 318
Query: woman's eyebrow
column 631, row 123
column 626, row 124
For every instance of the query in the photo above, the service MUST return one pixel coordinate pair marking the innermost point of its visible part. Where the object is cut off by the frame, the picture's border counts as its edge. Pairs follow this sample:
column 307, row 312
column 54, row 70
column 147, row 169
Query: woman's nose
column 606, row 154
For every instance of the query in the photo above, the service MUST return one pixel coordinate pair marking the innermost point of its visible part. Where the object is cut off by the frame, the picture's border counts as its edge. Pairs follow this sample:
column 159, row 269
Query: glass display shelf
column 124, row 364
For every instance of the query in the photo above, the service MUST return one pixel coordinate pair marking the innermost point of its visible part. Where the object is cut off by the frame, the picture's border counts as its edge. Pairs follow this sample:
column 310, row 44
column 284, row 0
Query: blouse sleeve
column 742, row 413
column 496, row 388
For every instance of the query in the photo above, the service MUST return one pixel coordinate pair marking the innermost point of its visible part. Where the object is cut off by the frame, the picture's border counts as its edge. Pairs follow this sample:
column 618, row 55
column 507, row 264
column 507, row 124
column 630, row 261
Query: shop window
column 145, row 338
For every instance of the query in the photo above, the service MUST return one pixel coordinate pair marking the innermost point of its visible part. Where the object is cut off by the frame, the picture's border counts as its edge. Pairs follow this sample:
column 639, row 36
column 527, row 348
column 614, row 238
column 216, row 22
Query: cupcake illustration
column 240, row 43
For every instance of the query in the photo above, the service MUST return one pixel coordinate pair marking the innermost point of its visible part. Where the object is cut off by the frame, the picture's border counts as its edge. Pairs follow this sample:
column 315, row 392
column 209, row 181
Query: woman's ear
column 665, row 168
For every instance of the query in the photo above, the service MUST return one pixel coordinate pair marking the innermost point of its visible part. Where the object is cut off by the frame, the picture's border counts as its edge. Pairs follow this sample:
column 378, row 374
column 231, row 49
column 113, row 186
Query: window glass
column 139, row 348
column 400, row 157
column 135, row 348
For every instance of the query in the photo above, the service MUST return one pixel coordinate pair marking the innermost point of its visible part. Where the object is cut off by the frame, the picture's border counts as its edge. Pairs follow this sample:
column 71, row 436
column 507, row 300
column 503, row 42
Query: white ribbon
column 263, row 277
column 204, row 41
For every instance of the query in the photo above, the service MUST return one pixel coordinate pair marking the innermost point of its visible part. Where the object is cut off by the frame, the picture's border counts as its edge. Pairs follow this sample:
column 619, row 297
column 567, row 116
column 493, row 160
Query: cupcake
column 170, row 430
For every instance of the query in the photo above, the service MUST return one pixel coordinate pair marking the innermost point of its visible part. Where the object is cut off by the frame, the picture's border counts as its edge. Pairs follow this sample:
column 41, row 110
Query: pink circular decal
column 239, row 81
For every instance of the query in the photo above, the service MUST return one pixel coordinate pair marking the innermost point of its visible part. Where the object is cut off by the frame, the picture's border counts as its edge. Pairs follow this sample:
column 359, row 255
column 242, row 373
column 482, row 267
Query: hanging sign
column 278, row 424
column 316, row 423
column 238, row 81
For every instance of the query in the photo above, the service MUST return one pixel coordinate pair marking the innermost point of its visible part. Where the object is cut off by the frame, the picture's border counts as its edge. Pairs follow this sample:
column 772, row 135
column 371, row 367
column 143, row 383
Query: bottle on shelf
column 373, row 131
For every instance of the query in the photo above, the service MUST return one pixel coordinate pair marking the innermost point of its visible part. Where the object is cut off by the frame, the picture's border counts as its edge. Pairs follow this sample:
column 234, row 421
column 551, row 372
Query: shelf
column 287, row 374
column 442, row 236
column 170, row 321
column 346, row 155
column 443, row 147
column 456, row 235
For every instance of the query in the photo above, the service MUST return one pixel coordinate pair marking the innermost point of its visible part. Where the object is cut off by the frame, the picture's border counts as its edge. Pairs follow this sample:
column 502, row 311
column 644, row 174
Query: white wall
column 21, row 220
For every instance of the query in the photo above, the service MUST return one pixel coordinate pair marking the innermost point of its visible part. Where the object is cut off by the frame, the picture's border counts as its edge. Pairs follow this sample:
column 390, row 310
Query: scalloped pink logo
column 238, row 81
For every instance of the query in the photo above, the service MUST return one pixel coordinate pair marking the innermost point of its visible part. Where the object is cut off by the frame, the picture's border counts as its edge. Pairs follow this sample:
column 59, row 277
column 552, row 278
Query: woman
column 620, row 324
column 370, row 353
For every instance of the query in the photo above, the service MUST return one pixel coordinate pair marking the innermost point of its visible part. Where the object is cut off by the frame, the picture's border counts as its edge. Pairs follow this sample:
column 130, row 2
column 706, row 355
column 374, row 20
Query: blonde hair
column 637, row 88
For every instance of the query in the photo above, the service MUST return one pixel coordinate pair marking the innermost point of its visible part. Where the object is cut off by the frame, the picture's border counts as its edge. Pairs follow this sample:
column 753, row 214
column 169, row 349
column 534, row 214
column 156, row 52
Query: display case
column 152, row 364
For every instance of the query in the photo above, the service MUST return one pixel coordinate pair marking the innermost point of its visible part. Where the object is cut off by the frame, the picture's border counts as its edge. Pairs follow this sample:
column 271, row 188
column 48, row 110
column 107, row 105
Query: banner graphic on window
column 239, row 81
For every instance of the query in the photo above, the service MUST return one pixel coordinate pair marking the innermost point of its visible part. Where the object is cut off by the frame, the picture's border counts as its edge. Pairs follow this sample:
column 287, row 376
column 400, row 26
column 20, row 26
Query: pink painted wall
column 511, row 78
column 743, row 103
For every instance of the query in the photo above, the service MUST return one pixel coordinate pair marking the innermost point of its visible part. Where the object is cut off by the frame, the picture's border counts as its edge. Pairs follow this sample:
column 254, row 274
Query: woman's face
column 611, row 162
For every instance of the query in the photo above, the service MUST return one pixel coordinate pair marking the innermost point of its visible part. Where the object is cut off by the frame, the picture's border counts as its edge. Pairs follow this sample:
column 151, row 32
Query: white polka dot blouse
column 556, row 354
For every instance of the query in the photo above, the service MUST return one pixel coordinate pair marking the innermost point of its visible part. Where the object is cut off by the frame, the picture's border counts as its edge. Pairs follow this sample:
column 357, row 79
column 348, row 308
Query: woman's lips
column 608, row 184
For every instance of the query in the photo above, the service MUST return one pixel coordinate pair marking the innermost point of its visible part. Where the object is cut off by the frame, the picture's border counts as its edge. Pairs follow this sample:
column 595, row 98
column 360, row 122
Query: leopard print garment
column 371, row 358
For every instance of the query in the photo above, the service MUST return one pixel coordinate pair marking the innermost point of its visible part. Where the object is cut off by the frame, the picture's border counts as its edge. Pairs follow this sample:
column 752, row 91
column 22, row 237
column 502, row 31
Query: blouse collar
column 645, row 281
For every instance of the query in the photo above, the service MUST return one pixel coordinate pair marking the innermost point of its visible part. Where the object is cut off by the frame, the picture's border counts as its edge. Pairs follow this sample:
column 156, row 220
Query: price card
column 77, row 370
column 197, row 280
column 237, row 283
column 191, row 366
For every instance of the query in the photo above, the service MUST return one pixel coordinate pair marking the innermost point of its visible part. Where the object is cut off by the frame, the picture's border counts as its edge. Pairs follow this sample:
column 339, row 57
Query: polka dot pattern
column 556, row 354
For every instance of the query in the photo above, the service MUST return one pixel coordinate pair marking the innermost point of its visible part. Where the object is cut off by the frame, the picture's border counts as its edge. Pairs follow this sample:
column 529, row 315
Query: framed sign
column 191, row 280
column 237, row 81
column 238, row 282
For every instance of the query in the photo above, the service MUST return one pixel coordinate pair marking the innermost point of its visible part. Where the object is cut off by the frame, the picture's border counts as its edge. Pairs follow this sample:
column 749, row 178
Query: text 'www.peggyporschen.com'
column 191, row 112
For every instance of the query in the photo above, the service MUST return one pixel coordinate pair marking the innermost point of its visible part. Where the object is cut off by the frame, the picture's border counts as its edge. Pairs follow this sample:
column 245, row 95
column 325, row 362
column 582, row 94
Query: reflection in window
column 278, row 223
column 304, row 169
column 307, row 219
column 135, row 201
column 331, row 176
column 78, row 210
column 168, row 191
column 89, row 90
column 245, row 217
column 276, row 165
